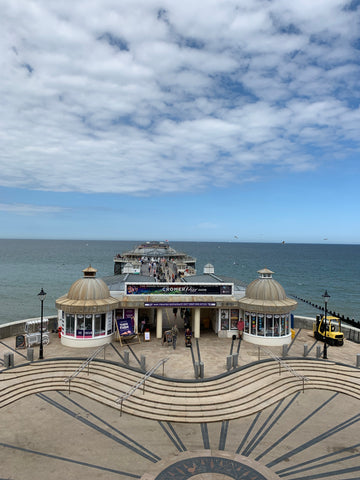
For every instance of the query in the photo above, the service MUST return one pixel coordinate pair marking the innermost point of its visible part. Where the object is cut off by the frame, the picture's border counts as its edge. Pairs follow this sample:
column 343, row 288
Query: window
column 80, row 325
column 253, row 324
column 234, row 319
column 70, row 324
column 99, row 324
column 88, row 325
column 224, row 320
column 261, row 330
column 247, row 317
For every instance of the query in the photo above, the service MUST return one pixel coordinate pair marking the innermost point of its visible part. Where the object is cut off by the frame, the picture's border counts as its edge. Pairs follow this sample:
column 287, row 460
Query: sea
column 304, row 270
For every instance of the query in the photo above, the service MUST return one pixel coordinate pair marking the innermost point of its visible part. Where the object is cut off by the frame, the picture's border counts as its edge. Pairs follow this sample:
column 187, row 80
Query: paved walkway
column 306, row 436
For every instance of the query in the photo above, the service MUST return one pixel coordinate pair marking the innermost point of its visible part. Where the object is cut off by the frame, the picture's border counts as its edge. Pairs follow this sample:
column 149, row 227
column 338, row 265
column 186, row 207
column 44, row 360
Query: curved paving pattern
column 305, row 436
column 254, row 423
column 246, row 391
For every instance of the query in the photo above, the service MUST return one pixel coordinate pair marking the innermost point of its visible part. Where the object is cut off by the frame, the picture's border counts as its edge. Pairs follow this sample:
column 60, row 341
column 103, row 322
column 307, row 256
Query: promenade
column 253, row 423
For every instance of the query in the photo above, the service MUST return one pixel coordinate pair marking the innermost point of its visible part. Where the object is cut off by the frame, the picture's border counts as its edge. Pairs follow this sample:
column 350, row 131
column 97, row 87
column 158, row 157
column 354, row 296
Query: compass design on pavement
column 306, row 436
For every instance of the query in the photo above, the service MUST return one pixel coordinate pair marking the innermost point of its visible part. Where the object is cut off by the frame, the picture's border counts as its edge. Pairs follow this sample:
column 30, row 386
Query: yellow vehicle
column 333, row 333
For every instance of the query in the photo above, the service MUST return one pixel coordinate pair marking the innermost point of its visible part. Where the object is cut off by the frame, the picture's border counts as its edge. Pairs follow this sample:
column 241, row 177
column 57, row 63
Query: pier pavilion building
column 88, row 313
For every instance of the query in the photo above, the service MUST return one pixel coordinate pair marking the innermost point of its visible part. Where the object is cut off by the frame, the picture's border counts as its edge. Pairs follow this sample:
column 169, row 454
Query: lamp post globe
column 41, row 297
column 326, row 297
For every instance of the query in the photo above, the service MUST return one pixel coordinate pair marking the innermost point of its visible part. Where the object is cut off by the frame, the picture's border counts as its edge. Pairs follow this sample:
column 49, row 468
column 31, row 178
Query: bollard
column 143, row 362
column 318, row 351
column 228, row 362
column 196, row 369
column 284, row 350
column 306, row 349
column 30, row 354
column 358, row 360
column 201, row 369
column 235, row 360
column 7, row 359
column 127, row 357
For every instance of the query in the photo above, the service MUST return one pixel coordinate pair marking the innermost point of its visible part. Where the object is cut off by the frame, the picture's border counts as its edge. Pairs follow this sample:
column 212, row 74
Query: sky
column 207, row 120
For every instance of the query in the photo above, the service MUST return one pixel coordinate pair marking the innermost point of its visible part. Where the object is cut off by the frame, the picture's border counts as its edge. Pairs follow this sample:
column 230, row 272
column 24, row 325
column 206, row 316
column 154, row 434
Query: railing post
column 235, row 359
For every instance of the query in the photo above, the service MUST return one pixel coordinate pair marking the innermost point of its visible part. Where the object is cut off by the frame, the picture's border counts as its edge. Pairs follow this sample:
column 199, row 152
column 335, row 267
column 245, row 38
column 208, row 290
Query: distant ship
column 130, row 262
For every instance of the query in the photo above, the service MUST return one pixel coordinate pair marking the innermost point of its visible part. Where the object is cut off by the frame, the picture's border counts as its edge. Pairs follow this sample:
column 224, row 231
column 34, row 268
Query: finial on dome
column 89, row 272
column 265, row 273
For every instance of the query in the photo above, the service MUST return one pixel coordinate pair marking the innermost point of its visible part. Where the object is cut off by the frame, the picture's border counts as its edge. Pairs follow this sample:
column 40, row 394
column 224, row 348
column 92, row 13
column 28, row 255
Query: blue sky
column 207, row 120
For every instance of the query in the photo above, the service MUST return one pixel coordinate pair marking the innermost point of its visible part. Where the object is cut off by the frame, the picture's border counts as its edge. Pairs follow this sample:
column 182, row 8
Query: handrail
column 139, row 383
column 284, row 364
column 85, row 364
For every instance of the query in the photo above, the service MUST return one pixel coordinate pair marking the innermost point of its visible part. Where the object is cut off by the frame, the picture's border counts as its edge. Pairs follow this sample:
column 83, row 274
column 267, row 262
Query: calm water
column 303, row 270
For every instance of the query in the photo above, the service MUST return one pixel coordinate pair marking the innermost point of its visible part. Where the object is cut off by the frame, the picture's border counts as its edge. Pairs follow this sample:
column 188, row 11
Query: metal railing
column 286, row 366
column 140, row 383
column 86, row 364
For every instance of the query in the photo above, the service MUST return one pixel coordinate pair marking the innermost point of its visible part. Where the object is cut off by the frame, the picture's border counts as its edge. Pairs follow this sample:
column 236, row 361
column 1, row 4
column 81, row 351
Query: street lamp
column 41, row 296
column 326, row 297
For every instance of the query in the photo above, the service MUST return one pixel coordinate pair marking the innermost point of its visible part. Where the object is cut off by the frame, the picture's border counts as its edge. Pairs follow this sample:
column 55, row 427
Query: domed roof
column 266, row 295
column 88, row 294
column 89, row 287
column 265, row 287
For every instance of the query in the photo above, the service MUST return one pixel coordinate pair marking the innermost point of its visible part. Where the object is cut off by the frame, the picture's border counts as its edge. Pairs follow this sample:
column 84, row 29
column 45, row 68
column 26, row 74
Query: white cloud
column 28, row 209
column 141, row 97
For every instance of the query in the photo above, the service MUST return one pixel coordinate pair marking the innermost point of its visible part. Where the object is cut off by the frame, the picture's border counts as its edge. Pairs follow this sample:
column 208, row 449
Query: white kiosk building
column 267, row 311
column 86, row 312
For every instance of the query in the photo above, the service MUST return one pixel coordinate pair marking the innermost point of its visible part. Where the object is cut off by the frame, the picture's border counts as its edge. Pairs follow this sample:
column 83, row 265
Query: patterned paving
column 311, row 435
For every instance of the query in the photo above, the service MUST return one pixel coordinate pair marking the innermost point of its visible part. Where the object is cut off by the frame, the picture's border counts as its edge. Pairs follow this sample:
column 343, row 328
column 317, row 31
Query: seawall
column 15, row 328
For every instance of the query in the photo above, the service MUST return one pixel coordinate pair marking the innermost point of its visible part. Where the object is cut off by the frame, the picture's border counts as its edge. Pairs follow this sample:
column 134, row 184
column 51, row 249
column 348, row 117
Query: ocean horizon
column 305, row 270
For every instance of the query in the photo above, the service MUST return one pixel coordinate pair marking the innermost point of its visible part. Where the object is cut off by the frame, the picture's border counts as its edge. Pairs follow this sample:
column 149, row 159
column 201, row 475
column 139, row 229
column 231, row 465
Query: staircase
column 242, row 392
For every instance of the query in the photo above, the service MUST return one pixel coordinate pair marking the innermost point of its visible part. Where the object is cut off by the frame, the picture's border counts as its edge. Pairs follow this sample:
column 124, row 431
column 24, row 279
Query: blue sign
column 124, row 326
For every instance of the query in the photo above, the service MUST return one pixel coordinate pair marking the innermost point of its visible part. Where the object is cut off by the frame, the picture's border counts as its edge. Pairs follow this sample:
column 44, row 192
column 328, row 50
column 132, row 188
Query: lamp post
column 41, row 296
column 326, row 297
